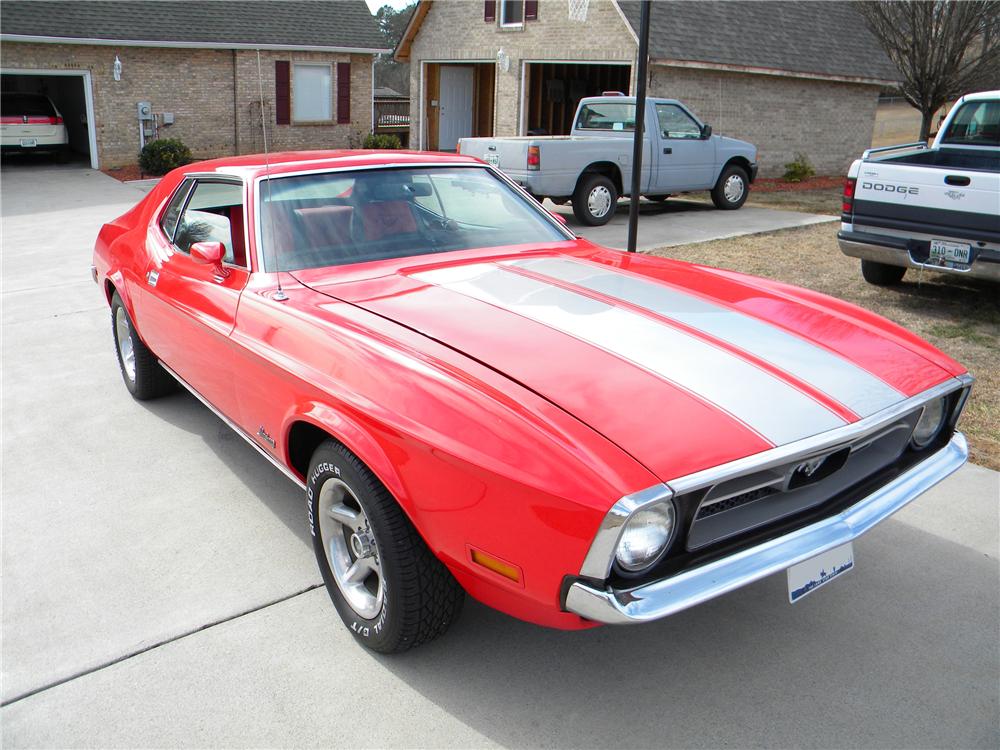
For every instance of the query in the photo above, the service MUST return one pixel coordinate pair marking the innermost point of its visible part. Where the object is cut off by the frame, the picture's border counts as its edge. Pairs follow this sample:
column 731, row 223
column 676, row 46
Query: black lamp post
column 640, row 118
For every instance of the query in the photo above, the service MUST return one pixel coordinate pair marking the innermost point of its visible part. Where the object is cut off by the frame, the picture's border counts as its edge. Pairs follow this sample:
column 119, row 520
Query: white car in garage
column 31, row 122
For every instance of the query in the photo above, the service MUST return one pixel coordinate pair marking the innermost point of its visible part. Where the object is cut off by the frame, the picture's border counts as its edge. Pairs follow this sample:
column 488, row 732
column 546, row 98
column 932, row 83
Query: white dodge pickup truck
column 936, row 207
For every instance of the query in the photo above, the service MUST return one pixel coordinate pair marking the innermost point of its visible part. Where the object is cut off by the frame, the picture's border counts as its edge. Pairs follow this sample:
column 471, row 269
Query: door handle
column 667, row 150
column 957, row 179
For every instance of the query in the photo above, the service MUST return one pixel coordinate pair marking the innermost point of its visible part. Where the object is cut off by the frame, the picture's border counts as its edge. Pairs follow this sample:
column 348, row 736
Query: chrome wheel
column 351, row 550
column 734, row 188
column 599, row 201
column 123, row 334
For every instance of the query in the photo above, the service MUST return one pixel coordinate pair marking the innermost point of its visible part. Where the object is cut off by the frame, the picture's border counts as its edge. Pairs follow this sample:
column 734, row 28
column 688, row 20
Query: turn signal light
column 849, row 185
column 534, row 158
column 496, row 565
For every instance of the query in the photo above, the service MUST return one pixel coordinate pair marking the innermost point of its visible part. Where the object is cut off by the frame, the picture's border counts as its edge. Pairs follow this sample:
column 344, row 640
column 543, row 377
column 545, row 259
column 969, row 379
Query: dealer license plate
column 28, row 142
column 493, row 159
column 949, row 252
column 810, row 574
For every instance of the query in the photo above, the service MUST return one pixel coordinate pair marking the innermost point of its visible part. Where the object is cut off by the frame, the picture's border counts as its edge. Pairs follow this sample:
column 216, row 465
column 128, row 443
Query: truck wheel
column 595, row 200
column 732, row 188
column 141, row 371
column 881, row 274
column 389, row 589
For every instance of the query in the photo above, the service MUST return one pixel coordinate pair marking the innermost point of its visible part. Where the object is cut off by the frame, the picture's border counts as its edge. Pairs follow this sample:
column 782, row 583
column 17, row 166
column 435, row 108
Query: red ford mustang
column 475, row 400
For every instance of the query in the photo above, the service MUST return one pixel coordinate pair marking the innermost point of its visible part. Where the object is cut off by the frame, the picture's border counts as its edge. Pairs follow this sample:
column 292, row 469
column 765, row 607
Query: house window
column 511, row 12
column 312, row 92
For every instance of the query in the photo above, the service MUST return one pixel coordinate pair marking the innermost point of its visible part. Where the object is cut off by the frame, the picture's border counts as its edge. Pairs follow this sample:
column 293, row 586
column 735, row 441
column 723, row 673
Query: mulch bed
column 778, row 185
column 127, row 173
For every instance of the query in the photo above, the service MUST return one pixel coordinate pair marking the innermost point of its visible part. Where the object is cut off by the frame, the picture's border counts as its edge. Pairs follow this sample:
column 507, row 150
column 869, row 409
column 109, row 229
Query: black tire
column 420, row 598
column 719, row 198
column 148, row 380
column 881, row 274
column 594, row 185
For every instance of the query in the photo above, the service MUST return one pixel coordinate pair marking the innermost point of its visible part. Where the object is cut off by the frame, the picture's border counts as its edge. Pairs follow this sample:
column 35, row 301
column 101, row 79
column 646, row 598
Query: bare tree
column 943, row 48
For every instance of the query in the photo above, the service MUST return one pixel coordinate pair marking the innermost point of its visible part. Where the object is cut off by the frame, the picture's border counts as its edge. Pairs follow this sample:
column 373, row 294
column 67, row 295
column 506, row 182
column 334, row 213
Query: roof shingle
column 279, row 23
column 821, row 38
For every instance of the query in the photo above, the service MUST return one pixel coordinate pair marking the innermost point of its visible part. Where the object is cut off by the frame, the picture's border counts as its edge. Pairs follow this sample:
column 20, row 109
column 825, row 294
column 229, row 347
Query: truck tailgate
column 504, row 153
column 955, row 203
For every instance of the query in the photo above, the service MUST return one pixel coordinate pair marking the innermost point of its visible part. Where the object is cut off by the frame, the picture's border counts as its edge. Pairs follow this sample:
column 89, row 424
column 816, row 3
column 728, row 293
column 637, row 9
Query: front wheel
column 389, row 589
column 731, row 189
column 141, row 371
column 595, row 200
column 881, row 274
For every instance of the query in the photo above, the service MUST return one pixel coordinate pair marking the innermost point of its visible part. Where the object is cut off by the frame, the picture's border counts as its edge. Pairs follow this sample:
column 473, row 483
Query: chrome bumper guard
column 666, row 597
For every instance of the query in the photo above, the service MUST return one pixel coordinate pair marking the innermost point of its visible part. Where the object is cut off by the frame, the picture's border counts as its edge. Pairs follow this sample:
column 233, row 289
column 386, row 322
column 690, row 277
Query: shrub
column 160, row 156
column 799, row 169
column 381, row 140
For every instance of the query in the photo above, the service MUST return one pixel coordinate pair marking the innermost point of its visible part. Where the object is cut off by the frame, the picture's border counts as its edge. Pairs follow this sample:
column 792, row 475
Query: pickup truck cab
column 937, row 207
column 592, row 167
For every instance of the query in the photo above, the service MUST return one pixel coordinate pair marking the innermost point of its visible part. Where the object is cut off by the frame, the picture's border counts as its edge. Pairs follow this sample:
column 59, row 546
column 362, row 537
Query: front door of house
column 455, row 110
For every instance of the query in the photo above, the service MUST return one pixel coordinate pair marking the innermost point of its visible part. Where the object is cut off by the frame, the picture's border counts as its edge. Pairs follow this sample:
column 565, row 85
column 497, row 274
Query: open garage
column 554, row 90
column 70, row 92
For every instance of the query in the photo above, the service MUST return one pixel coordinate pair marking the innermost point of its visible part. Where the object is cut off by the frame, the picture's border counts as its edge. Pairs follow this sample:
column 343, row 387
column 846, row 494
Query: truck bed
column 946, row 158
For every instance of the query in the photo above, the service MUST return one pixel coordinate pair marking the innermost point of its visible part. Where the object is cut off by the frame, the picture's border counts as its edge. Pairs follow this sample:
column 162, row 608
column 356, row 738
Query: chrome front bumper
column 896, row 254
column 662, row 598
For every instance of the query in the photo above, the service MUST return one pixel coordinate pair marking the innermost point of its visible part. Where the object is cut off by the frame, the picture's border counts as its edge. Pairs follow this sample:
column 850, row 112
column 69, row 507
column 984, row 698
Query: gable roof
column 222, row 24
column 821, row 39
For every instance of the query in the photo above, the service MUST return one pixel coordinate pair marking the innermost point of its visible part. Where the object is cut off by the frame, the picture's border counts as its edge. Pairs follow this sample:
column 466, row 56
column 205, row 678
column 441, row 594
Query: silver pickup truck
column 592, row 167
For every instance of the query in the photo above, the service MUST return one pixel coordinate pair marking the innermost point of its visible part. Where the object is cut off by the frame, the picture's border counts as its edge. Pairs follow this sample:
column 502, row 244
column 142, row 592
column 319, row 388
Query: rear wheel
column 881, row 274
column 389, row 589
column 595, row 200
column 141, row 371
column 731, row 189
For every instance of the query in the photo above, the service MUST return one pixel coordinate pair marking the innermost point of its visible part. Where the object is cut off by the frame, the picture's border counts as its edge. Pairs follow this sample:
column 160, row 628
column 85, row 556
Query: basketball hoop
column 578, row 10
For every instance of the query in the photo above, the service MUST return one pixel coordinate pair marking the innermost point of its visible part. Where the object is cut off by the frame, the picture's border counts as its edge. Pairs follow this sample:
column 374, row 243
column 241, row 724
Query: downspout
column 236, row 111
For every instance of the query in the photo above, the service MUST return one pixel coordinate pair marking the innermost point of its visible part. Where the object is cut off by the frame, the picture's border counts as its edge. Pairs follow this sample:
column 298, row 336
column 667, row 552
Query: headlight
column 929, row 424
column 645, row 537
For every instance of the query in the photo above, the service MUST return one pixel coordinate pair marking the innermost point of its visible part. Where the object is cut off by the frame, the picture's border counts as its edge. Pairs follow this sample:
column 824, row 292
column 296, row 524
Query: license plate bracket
column 809, row 575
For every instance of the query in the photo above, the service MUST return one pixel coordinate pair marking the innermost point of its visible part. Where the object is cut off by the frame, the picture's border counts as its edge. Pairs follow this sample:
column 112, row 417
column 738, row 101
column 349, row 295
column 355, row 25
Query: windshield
column 334, row 218
column 975, row 124
column 606, row 116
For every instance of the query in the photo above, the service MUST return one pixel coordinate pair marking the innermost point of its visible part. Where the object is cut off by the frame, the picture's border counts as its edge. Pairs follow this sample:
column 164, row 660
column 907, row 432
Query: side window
column 676, row 123
column 214, row 213
column 169, row 221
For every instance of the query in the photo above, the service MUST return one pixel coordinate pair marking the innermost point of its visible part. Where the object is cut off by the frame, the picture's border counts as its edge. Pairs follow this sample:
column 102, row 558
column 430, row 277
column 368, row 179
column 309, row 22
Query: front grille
column 738, row 505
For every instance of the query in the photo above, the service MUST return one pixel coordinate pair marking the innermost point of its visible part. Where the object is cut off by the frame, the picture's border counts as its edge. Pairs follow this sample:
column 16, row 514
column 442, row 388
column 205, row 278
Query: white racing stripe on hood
column 773, row 408
column 843, row 381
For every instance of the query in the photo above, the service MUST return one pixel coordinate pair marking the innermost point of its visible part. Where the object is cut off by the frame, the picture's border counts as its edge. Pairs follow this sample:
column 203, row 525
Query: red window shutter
column 490, row 11
column 282, row 91
column 530, row 10
column 343, row 92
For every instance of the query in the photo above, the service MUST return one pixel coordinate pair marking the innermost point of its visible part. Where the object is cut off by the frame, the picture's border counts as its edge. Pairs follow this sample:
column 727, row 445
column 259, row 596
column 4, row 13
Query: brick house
column 196, row 67
column 791, row 77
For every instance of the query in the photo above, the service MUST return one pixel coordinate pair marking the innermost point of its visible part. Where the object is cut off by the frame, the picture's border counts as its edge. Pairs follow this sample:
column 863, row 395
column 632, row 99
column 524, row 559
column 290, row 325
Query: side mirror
column 706, row 131
column 211, row 254
column 558, row 217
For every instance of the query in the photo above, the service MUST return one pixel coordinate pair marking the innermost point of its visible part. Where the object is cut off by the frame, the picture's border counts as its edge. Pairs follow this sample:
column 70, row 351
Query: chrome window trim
column 259, row 179
column 600, row 557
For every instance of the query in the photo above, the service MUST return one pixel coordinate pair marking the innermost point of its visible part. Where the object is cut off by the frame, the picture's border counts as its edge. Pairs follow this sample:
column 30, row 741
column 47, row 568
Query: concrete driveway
column 159, row 587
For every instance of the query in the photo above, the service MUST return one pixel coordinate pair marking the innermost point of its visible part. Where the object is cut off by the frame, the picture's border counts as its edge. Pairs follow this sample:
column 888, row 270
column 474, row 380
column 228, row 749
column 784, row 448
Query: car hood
column 682, row 366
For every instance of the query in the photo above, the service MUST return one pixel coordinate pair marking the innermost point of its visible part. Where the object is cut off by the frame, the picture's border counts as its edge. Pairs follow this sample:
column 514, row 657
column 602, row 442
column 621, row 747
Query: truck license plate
column 28, row 143
column 810, row 574
column 493, row 159
column 949, row 252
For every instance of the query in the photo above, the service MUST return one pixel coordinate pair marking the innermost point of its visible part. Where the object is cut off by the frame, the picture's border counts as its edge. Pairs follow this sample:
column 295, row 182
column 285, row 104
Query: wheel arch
column 739, row 161
column 607, row 168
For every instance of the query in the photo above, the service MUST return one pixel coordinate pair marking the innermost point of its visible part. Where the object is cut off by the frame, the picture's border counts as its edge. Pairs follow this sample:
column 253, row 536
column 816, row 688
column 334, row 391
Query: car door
column 188, row 309
column 686, row 161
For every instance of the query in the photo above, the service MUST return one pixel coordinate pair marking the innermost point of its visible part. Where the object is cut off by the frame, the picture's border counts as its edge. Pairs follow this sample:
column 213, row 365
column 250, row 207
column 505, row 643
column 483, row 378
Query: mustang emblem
column 955, row 194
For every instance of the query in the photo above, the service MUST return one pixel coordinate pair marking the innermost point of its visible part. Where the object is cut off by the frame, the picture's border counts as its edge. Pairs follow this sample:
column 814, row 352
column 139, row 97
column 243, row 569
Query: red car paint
column 492, row 431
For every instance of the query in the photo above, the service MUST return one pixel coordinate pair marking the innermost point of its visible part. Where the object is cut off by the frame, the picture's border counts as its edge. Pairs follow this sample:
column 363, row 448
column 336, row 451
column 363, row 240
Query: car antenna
column 279, row 295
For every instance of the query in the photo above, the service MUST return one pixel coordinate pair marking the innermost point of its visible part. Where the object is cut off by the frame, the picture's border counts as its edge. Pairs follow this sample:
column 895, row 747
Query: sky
column 374, row 5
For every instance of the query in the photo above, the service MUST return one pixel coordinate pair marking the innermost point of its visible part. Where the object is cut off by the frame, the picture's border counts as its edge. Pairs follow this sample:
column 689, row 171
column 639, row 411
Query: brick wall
column 454, row 30
column 197, row 86
column 830, row 122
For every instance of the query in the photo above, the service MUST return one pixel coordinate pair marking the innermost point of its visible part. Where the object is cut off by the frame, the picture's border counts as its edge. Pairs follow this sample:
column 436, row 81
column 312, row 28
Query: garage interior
column 555, row 89
column 458, row 103
column 68, row 94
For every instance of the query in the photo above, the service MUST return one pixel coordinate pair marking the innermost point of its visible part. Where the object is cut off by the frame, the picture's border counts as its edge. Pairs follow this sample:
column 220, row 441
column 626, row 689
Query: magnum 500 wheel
column 387, row 586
